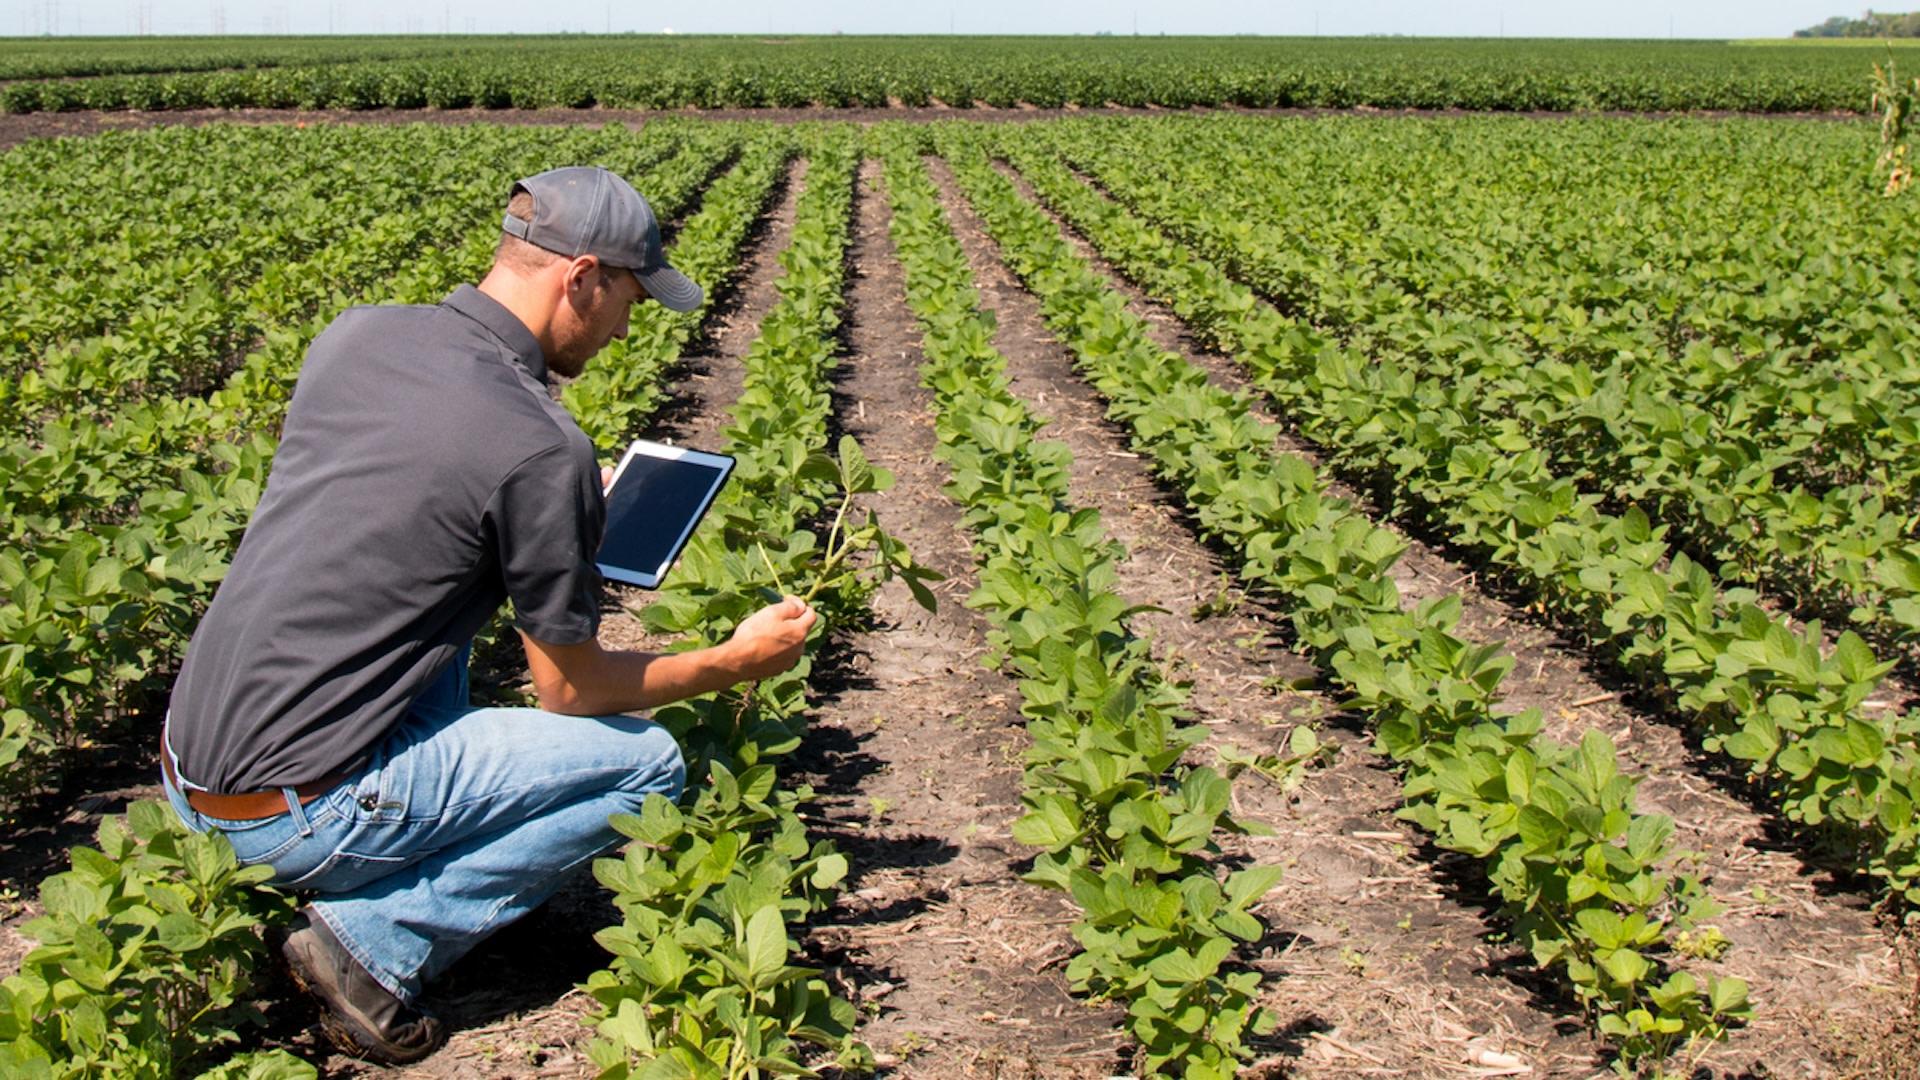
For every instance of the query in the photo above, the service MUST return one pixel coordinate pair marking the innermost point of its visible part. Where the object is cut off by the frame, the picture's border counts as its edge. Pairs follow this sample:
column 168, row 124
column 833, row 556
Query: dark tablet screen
column 657, row 497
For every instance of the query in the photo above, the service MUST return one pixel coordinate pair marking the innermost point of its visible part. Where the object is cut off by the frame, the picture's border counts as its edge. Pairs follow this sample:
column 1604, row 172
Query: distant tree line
column 1874, row 24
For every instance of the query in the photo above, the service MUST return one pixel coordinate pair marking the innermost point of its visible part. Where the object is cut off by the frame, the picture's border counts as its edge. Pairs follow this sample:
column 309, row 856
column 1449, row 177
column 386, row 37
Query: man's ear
column 581, row 274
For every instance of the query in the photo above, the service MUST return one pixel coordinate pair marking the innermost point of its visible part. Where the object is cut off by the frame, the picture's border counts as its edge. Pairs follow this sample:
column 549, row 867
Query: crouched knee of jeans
column 659, row 768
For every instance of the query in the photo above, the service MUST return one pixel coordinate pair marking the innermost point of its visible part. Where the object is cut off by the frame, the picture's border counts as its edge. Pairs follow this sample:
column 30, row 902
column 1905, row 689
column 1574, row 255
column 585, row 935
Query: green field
column 1652, row 381
column 671, row 72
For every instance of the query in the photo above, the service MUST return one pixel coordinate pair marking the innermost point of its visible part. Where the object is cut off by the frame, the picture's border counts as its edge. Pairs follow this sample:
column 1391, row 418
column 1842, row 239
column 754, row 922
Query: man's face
column 598, row 313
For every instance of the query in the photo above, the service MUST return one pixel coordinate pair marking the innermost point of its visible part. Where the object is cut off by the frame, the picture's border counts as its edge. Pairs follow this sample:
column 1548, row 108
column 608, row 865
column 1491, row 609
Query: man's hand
column 770, row 640
column 588, row 680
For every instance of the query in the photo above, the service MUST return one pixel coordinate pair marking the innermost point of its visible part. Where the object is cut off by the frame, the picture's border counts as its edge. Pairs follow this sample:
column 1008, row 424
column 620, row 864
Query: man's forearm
column 588, row 680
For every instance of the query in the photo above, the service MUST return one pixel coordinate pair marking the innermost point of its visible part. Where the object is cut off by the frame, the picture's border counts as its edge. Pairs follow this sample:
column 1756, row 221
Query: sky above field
column 1462, row 18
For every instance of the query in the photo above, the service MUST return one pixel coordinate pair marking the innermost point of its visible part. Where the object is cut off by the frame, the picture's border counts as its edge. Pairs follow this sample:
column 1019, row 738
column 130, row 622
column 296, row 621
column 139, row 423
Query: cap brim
column 671, row 287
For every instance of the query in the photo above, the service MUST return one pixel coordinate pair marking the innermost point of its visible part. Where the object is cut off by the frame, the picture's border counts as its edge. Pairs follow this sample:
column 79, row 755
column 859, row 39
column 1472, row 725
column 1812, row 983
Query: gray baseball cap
column 587, row 210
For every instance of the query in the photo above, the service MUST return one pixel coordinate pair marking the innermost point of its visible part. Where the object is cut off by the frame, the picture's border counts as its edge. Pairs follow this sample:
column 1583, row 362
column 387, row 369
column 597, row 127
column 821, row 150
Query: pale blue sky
column 1466, row 18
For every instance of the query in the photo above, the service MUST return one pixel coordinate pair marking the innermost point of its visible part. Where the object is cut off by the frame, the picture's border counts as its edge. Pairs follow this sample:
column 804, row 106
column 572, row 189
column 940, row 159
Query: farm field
column 1416, row 596
column 670, row 71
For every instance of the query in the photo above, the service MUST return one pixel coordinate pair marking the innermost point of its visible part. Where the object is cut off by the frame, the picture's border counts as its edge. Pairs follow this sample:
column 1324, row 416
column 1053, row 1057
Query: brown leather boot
column 357, row 1013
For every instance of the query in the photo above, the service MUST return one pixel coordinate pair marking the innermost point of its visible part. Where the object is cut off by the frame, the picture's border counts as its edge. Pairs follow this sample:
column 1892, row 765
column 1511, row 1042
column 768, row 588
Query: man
column 424, row 476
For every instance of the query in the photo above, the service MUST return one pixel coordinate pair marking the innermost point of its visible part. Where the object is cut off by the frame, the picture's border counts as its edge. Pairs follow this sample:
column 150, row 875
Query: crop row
column 1123, row 824
column 145, row 952
column 81, row 57
column 170, row 310
column 1747, row 382
column 700, row 983
column 1578, row 870
column 675, row 72
column 1759, row 689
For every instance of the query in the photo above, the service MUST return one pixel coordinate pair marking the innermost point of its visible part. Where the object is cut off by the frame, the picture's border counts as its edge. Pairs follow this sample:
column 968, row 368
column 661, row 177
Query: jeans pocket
column 378, row 797
column 279, row 842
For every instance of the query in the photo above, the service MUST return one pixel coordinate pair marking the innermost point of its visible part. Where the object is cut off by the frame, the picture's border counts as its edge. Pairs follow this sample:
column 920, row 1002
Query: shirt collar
column 503, row 324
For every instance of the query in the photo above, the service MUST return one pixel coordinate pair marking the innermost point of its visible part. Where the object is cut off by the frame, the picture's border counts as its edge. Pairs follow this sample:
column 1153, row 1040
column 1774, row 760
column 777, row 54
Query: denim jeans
column 464, row 820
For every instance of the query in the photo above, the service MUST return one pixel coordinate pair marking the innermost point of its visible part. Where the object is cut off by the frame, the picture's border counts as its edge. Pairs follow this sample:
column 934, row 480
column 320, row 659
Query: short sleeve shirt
column 424, row 476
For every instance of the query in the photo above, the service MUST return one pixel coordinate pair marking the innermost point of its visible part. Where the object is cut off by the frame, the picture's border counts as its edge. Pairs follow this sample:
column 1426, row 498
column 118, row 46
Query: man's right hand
column 771, row 640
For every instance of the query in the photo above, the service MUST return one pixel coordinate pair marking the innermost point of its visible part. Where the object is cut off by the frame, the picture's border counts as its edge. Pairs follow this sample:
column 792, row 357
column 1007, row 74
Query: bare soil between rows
column 16, row 128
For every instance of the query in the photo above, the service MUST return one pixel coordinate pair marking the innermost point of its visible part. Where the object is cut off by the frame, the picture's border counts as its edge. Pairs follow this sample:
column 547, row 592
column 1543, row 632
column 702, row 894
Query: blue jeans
column 464, row 820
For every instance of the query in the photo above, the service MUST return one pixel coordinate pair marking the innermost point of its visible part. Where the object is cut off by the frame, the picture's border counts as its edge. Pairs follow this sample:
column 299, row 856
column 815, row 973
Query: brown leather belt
column 253, row 805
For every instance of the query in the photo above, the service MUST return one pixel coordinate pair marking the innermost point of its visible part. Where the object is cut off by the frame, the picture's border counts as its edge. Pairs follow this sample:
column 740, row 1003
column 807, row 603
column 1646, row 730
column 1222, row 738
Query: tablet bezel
column 722, row 466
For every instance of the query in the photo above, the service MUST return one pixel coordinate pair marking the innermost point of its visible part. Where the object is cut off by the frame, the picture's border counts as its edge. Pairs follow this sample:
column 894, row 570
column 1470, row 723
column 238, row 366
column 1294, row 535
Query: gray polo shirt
column 424, row 476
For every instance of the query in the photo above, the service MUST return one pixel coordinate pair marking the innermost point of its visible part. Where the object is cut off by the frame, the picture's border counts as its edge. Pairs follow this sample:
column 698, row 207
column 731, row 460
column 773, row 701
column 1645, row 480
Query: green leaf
column 829, row 871
column 262, row 1065
column 1540, row 831
column 1597, row 759
column 1520, row 773
column 666, row 963
column 88, row 1023
column 1053, row 826
column 26, row 1060
column 1728, row 996
column 856, row 475
column 208, row 857
column 757, row 783
column 1246, row 887
column 1180, row 967
column 1626, row 966
column 182, row 933
column 1602, row 927
column 1304, row 742
column 766, row 952
column 820, row 469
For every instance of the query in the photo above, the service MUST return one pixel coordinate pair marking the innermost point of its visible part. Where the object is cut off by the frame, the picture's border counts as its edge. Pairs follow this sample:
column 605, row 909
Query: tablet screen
column 656, row 498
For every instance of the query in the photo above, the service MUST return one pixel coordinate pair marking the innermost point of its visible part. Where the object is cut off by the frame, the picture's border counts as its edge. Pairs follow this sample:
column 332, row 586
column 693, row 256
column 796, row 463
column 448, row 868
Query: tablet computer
column 656, row 497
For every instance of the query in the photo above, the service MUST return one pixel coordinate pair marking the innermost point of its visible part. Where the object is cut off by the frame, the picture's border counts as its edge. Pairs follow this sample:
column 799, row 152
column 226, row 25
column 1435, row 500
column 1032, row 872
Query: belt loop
column 298, row 811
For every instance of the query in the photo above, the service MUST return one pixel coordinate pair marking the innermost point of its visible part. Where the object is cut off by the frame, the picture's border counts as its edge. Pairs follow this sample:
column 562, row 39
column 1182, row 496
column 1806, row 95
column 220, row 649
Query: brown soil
column 18, row 128
column 1384, row 955
column 956, row 960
